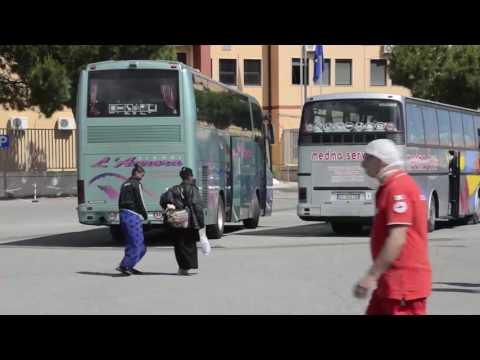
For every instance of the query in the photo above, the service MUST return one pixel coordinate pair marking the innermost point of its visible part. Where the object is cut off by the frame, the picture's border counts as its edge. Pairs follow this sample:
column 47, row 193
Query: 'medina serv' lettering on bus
column 440, row 144
column 165, row 115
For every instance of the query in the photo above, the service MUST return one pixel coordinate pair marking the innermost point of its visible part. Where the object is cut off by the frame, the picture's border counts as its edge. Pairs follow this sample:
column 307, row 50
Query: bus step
column 446, row 218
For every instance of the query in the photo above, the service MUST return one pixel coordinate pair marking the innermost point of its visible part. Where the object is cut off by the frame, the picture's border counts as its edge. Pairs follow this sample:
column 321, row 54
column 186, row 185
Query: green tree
column 47, row 75
column 445, row 73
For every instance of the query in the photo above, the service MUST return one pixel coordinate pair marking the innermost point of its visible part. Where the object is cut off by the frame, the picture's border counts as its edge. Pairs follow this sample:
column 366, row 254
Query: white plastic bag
column 204, row 243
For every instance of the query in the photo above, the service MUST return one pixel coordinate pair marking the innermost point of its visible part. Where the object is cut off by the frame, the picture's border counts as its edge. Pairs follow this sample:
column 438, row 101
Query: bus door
column 243, row 162
column 269, row 140
column 454, row 183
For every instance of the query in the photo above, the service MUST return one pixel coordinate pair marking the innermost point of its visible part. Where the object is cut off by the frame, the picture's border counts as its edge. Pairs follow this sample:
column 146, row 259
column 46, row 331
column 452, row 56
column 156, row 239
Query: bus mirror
column 270, row 133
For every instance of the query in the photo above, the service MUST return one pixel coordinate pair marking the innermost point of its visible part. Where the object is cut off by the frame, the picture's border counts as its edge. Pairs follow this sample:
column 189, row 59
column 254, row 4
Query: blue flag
column 318, row 67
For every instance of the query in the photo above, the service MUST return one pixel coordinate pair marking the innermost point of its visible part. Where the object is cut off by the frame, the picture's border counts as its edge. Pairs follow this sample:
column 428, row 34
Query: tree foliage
column 444, row 73
column 47, row 75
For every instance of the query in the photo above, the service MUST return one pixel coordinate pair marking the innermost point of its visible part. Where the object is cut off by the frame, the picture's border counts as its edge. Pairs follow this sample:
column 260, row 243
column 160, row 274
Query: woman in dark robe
column 186, row 195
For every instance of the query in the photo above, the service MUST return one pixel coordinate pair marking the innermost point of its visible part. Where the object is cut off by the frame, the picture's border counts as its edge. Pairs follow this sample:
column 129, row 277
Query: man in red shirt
column 401, row 273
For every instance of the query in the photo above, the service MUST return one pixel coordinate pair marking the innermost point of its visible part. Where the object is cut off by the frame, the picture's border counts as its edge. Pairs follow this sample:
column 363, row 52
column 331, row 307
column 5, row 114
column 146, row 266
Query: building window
column 326, row 72
column 182, row 57
column 297, row 71
column 252, row 72
column 228, row 71
column 343, row 72
column 378, row 72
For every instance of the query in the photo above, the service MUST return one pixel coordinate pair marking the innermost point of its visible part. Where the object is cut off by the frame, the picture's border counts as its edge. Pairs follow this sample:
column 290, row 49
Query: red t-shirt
column 399, row 201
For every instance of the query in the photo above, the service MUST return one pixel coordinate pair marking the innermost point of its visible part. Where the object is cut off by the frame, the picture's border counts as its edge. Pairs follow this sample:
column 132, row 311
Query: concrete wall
column 49, row 183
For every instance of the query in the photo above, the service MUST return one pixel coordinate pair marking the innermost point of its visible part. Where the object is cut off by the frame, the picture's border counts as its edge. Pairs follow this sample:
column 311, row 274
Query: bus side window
column 444, row 128
column 457, row 129
column 416, row 132
column 431, row 125
column 468, row 130
column 257, row 120
column 477, row 129
column 200, row 89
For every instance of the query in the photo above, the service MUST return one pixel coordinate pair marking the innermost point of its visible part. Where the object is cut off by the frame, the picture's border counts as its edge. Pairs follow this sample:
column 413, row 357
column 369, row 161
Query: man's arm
column 397, row 238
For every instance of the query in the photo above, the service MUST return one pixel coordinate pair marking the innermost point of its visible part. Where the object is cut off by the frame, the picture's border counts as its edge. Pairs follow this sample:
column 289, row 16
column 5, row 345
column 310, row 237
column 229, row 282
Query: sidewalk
column 284, row 185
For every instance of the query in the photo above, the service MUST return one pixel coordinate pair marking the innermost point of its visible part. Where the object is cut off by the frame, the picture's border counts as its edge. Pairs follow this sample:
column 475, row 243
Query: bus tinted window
column 415, row 130
column 477, row 129
column 241, row 112
column 468, row 130
column 351, row 116
column 221, row 108
column 200, row 87
column 430, row 125
column 257, row 120
column 457, row 129
column 444, row 128
column 133, row 93
column 218, row 109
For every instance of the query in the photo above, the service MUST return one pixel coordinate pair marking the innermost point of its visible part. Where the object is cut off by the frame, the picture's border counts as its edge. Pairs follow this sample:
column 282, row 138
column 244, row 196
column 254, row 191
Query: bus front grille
column 140, row 134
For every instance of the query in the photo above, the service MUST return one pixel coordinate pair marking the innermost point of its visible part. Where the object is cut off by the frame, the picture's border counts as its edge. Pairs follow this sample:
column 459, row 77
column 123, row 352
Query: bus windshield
column 133, row 93
column 345, row 116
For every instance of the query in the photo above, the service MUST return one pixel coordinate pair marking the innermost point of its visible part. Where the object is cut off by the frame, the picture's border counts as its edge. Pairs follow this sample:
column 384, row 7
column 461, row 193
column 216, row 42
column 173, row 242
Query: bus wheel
column 432, row 214
column 116, row 233
column 253, row 222
column 346, row 228
column 215, row 231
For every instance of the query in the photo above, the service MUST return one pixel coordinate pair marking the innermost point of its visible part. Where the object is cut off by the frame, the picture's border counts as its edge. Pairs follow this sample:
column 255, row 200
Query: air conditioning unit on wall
column 18, row 123
column 66, row 124
column 310, row 48
column 387, row 49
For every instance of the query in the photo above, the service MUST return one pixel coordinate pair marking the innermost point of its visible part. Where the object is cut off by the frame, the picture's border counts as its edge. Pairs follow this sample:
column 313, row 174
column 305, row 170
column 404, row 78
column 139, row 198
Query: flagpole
column 305, row 76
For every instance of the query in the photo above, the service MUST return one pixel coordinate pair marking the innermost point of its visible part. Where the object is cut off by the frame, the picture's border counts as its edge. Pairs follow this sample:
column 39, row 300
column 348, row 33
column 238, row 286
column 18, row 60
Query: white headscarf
column 388, row 152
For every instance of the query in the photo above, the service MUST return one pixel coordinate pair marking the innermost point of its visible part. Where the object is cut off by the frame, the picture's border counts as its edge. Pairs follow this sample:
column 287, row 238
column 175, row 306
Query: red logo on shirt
column 400, row 207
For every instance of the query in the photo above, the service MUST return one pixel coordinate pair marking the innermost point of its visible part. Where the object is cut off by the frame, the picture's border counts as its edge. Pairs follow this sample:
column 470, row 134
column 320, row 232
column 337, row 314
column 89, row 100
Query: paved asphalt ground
column 50, row 264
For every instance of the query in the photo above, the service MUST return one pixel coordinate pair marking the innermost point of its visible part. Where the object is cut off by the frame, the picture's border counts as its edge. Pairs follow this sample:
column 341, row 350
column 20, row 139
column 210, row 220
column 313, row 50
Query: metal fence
column 39, row 150
column 290, row 147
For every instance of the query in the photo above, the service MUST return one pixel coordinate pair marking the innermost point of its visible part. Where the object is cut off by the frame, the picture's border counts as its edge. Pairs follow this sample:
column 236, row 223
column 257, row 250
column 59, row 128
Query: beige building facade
column 273, row 74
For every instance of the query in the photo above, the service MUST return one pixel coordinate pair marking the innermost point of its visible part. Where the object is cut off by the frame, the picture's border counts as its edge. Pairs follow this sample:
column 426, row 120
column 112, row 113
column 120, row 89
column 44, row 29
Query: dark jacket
column 131, row 197
column 191, row 199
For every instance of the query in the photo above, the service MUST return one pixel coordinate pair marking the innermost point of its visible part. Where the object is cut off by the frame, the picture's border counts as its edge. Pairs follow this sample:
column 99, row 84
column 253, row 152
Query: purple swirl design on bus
column 103, row 175
column 110, row 191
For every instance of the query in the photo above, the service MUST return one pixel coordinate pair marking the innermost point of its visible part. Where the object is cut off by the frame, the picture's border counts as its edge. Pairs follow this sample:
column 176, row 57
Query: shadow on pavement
column 457, row 284
column 122, row 275
column 100, row 237
column 470, row 291
column 310, row 230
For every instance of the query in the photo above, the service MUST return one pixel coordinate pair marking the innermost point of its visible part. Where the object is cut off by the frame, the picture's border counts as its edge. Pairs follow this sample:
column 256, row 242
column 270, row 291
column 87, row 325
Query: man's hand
column 364, row 286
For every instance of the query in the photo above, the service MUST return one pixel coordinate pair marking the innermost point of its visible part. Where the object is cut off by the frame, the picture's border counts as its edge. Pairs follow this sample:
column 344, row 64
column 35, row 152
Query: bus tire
column 346, row 228
column 432, row 214
column 116, row 234
column 252, row 223
column 215, row 231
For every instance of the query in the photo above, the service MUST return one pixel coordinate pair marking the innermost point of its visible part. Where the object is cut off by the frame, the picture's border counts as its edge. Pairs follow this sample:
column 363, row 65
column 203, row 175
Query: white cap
column 385, row 150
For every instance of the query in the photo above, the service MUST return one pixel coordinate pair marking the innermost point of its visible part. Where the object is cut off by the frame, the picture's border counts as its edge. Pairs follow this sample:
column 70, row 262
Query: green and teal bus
column 165, row 115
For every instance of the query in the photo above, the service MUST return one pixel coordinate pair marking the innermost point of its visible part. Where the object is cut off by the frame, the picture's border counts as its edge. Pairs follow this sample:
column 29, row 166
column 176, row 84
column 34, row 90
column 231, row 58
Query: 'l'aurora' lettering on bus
column 130, row 162
column 337, row 156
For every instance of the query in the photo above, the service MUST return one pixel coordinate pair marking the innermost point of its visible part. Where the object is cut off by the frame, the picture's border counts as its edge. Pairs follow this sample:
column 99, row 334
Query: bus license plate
column 348, row 196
